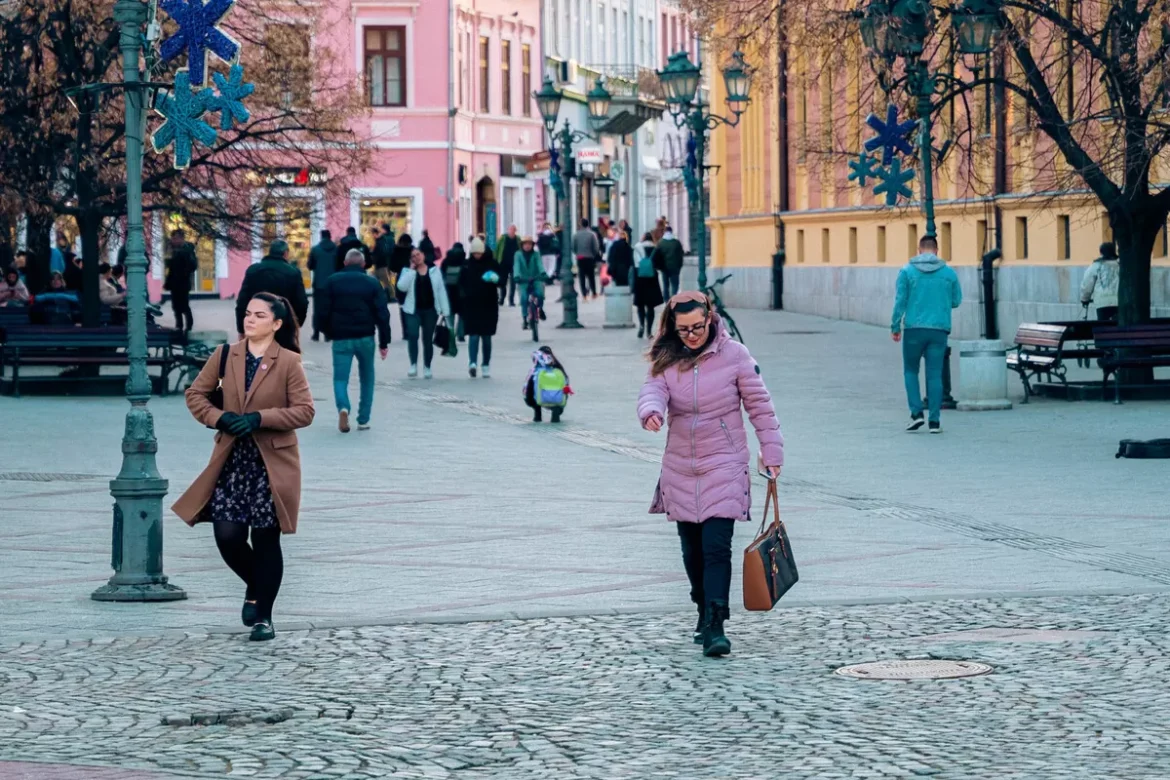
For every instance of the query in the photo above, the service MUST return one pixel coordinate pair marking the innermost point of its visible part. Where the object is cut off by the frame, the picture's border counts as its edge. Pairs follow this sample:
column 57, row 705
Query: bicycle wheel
column 732, row 328
column 534, row 320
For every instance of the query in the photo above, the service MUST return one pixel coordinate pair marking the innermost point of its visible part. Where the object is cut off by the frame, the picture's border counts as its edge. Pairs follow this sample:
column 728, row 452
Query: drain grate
column 914, row 669
column 45, row 476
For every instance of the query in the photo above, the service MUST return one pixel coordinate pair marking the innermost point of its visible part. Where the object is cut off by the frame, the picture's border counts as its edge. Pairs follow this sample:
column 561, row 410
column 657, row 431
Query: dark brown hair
column 289, row 335
column 668, row 349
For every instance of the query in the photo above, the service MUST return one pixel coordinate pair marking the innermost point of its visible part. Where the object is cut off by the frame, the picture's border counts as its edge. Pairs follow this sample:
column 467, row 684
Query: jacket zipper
column 727, row 433
column 694, row 451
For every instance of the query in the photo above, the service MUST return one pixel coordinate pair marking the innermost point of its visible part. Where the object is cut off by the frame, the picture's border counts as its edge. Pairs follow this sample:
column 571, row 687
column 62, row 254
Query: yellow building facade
column 844, row 247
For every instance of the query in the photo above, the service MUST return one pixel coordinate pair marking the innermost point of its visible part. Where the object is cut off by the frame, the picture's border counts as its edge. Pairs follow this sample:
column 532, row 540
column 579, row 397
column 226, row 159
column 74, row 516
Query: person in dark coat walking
column 351, row 241
column 507, row 247
column 180, row 275
column 453, row 265
column 479, row 289
column 352, row 306
column 273, row 275
column 621, row 260
column 322, row 263
column 644, row 279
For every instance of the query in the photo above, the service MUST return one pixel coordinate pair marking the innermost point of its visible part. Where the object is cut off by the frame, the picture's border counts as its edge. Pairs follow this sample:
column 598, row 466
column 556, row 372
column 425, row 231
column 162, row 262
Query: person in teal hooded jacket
column 928, row 289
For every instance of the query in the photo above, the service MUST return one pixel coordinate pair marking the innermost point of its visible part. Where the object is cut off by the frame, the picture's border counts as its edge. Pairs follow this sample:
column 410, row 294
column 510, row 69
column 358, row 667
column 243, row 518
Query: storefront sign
column 294, row 177
column 538, row 162
column 590, row 155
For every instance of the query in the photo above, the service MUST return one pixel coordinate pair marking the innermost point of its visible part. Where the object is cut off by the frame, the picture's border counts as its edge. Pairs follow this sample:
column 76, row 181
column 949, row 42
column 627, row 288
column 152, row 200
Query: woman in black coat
column 647, row 292
column 479, row 293
column 453, row 264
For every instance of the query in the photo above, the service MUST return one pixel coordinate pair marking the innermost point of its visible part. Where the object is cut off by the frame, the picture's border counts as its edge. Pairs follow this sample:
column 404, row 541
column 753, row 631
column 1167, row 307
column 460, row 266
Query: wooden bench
column 1040, row 352
column 1133, row 346
column 64, row 346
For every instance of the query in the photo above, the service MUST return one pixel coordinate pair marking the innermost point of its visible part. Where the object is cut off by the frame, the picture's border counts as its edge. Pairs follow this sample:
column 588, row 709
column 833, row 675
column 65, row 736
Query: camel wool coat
column 280, row 393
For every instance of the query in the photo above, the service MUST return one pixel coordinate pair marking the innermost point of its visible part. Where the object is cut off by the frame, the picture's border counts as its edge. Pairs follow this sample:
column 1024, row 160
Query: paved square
column 982, row 544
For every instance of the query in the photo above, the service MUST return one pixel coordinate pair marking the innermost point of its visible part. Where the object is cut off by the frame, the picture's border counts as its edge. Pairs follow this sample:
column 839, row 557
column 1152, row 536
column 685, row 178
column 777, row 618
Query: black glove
column 226, row 420
column 243, row 425
column 253, row 421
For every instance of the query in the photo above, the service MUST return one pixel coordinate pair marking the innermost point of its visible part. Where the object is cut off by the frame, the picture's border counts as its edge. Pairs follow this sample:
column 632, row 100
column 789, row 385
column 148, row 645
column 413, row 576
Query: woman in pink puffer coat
column 699, row 383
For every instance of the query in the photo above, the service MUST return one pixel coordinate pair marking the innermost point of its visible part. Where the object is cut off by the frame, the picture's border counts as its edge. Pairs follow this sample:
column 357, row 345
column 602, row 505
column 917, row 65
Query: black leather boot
column 701, row 625
column 715, row 643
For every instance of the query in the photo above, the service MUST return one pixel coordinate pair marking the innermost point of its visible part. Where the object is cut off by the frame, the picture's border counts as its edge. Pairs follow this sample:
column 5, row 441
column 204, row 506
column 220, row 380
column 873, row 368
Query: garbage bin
column 983, row 376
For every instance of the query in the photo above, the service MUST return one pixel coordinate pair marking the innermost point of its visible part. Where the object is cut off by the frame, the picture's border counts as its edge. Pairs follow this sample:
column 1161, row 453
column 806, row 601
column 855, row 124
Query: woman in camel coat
column 253, row 482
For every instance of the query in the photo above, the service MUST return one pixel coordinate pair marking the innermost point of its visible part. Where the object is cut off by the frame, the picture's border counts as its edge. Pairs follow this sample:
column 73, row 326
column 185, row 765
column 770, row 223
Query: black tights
column 260, row 565
column 646, row 318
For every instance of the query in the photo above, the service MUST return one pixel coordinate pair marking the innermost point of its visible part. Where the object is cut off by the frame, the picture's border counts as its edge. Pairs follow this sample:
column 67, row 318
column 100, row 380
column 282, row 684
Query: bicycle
column 532, row 312
column 712, row 292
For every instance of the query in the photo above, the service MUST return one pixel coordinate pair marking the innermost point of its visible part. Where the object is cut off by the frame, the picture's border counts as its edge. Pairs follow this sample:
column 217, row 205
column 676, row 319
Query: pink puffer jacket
column 706, row 469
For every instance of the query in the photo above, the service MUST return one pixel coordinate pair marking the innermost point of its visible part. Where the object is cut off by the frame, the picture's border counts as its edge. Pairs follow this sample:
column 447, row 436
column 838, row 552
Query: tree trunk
column 1135, row 245
column 89, row 223
column 40, row 246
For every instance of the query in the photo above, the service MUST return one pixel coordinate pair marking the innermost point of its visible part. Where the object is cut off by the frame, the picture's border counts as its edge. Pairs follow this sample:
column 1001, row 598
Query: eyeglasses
column 694, row 330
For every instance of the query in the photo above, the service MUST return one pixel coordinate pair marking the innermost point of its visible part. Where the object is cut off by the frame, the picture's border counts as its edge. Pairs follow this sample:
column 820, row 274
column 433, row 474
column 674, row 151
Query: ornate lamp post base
column 569, row 303
column 137, row 557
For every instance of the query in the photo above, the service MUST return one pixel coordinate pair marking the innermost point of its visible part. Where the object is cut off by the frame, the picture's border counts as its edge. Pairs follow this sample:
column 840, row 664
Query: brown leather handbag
column 769, row 569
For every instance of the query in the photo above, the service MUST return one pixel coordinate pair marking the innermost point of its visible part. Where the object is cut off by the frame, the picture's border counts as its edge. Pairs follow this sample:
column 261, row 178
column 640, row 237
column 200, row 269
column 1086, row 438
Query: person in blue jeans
column 353, row 309
column 928, row 289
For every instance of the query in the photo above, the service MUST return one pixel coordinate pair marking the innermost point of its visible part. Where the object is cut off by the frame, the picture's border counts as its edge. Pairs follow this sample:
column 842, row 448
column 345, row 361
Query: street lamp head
column 680, row 79
column 598, row 100
column 976, row 24
column 896, row 28
column 737, row 78
column 548, row 102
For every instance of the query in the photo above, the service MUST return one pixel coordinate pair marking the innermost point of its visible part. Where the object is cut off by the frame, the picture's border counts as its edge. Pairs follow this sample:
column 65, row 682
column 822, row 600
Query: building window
column 944, row 241
column 911, row 239
column 800, row 246
column 852, row 245
column 526, row 79
column 1021, row 238
column 1063, row 237
column 825, row 245
column 662, row 27
column 287, row 49
column 981, row 236
column 386, row 66
column 1165, row 242
column 506, row 77
column 462, row 81
column 485, row 103
column 881, row 244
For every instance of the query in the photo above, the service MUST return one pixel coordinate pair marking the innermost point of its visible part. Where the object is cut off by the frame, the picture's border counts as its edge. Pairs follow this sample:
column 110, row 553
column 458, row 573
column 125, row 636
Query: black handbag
column 769, row 569
column 215, row 397
column 444, row 339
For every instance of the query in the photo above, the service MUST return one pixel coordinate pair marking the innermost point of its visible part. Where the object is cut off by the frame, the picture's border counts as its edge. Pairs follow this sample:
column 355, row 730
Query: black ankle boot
column 556, row 414
column 537, row 416
column 701, row 625
column 715, row 643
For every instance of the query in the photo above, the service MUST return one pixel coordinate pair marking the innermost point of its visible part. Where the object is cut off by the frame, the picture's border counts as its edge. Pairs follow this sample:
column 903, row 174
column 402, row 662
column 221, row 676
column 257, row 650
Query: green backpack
column 550, row 387
column 646, row 267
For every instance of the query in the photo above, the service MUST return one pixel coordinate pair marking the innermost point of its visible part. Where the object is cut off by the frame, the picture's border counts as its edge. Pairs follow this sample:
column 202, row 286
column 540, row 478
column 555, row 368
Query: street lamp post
column 893, row 29
column 563, row 168
column 138, row 489
column 681, row 79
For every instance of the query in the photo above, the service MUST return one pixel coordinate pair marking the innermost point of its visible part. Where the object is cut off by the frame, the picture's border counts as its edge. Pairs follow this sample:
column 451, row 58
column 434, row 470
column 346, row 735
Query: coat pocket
column 727, row 433
column 284, row 440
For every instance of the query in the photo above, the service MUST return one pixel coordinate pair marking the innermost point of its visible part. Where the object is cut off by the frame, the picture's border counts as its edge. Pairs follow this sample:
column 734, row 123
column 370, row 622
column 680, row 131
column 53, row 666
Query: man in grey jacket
column 586, row 248
column 928, row 289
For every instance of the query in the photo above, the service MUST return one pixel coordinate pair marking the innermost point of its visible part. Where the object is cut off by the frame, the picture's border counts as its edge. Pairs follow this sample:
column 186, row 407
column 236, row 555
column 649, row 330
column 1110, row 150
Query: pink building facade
column 451, row 122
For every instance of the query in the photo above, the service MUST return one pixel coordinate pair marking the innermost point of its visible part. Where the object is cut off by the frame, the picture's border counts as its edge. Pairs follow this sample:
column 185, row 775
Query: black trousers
column 181, row 305
column 260, row 565
column 587, row 269
column 706, row 549
column 646, row 318
column 508, row 289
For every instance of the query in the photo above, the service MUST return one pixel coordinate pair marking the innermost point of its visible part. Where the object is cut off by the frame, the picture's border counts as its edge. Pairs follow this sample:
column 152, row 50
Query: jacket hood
column 274, row 259
column 927, row 262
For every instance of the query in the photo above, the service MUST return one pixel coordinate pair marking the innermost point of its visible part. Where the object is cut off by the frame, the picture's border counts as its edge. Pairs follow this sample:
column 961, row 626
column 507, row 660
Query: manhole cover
column 914, row 669
column 44, row 476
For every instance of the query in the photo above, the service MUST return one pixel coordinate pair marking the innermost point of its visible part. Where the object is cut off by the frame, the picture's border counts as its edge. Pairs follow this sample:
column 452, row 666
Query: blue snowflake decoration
column 863, row 169
column 183, row 126
column 229, row 102
column 198, row 34
column 891, row 135
column 894, row 182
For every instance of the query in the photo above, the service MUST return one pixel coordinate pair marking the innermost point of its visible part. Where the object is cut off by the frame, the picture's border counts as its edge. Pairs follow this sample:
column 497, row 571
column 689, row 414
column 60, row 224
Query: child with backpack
column 547, row 386
column 647, row 291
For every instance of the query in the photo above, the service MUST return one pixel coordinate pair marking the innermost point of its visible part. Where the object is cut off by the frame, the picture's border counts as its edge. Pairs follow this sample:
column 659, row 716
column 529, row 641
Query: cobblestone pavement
column 456, row 509
column 616, row 697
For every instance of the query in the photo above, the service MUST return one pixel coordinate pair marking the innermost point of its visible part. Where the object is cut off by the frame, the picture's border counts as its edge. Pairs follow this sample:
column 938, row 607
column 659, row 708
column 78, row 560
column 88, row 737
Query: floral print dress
column 242, row 493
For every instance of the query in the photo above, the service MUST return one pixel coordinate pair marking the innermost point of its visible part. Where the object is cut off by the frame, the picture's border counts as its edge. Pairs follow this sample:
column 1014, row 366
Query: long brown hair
column 668, row 348
column 289, row 335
